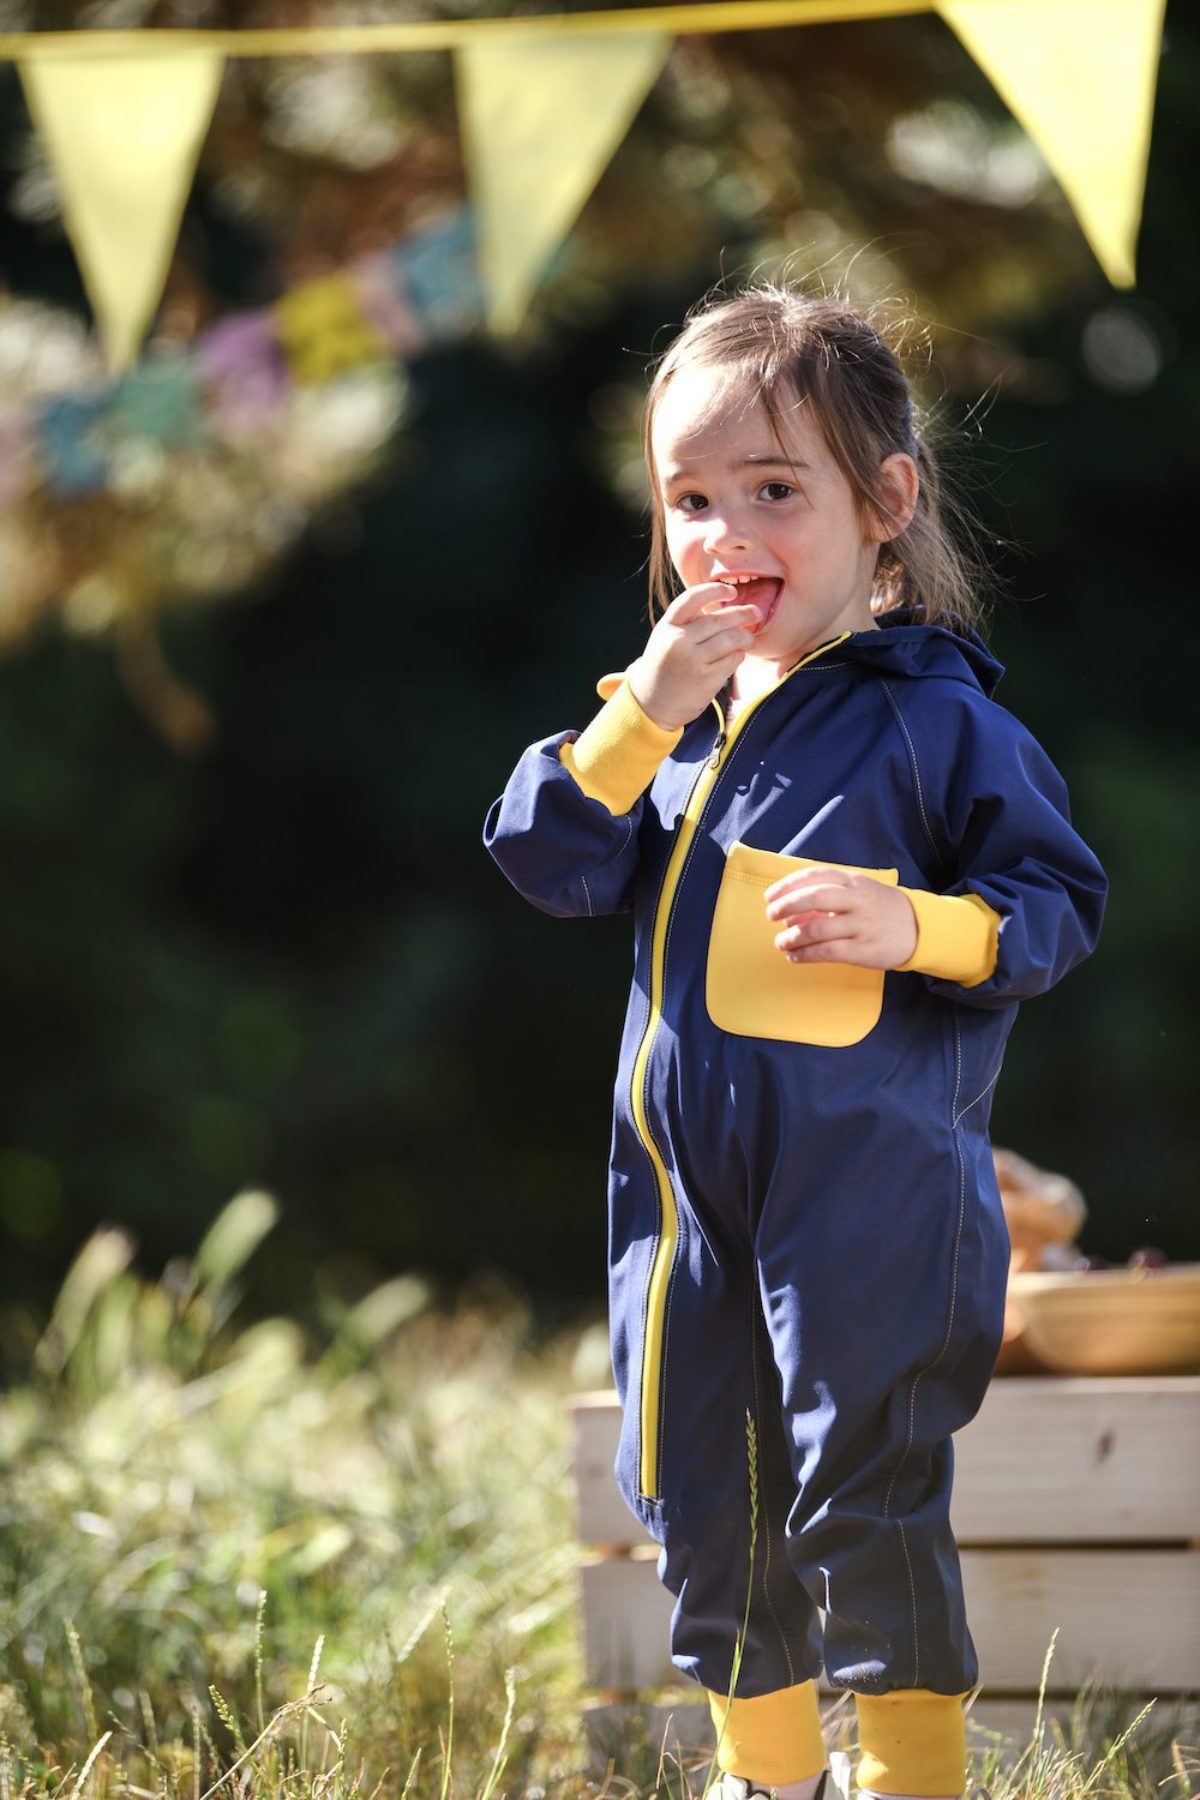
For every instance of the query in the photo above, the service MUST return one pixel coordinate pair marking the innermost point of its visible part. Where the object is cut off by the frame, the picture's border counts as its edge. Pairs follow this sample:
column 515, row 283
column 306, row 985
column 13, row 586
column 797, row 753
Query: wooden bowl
column 1113, row 1321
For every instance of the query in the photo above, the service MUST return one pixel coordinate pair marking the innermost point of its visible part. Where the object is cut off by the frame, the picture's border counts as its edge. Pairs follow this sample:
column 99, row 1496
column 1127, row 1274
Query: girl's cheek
column 683, row 556
column 688, row 550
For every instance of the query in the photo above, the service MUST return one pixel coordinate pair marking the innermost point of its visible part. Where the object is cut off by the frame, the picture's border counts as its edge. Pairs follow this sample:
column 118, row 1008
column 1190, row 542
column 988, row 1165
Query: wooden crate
column 1077, row 1509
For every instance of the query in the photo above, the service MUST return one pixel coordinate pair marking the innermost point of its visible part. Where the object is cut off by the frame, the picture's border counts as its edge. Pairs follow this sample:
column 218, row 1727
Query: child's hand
column 691, row 653
column 830, row 915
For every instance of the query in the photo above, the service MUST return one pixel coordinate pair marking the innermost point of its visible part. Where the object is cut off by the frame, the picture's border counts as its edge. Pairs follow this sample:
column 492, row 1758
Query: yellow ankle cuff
column 912, row 1741
column 772, row 1739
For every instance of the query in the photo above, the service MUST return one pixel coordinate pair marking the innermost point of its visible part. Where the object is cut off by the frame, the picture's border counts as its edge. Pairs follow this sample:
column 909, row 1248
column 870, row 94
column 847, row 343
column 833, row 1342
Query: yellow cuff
column 956, row 937
column 772, row 1740
column 615, row 759
column 912, row 1741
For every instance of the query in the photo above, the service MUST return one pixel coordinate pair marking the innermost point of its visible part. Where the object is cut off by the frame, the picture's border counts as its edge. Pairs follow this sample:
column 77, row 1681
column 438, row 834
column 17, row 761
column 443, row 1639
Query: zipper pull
column 714, row 761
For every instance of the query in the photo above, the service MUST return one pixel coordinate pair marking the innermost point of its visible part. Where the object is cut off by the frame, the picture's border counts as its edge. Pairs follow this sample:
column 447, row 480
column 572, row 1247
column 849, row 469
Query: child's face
column 735, row 504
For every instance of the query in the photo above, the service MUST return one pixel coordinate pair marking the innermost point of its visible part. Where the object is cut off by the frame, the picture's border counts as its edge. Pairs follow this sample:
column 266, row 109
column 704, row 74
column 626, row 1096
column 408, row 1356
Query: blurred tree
column 288, row 961
column 788, row 145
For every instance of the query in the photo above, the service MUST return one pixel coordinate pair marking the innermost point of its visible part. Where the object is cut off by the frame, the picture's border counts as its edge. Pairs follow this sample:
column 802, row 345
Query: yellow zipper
column 664, row 1256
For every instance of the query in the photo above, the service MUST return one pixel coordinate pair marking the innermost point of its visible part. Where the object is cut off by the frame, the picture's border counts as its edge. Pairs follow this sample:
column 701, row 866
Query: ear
column 897, row 486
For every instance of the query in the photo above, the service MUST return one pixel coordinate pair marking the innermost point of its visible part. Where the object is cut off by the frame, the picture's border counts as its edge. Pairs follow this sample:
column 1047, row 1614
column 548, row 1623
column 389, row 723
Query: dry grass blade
column 497, row 1768
column 86, row 1770
column 191, row 1496
column 448, row 1745
column 289, row 1710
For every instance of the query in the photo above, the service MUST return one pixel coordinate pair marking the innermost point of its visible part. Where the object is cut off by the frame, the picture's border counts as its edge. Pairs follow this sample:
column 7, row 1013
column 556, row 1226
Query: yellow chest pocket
column 752, row 988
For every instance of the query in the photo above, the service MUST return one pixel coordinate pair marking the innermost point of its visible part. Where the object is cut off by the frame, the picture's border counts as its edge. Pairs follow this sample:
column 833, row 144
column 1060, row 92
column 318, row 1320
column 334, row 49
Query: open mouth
column 759, row 591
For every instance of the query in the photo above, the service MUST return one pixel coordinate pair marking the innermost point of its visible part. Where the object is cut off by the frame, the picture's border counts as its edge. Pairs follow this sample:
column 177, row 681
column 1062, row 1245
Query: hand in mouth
column 759, row 591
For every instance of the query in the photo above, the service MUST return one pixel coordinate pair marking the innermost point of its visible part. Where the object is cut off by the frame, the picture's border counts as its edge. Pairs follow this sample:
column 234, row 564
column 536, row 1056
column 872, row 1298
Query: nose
column 725, row 533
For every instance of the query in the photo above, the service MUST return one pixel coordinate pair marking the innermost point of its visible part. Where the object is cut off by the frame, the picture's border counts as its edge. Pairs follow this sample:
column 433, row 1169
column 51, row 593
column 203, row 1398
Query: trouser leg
column 740, row 1618
column 741, row 1622
column 877, row 1368
column 771, row 1736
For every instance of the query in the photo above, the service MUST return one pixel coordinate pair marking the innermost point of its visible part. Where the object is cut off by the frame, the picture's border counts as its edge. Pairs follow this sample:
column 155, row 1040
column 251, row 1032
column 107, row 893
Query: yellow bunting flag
column 1080, row 76
column 324, row 330
column 123, row 136
column 540, row 120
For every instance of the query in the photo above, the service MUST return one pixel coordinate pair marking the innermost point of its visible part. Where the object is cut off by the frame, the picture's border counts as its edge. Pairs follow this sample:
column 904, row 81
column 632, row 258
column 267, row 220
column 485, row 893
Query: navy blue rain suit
column 805, row 1228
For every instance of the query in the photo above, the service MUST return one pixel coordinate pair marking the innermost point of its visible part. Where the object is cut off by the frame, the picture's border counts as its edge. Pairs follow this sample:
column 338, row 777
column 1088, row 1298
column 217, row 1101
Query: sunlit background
column 268, row 658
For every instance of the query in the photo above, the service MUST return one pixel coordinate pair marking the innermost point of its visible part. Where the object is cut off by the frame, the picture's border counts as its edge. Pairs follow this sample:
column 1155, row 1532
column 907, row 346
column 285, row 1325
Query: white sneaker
column 838, row 1785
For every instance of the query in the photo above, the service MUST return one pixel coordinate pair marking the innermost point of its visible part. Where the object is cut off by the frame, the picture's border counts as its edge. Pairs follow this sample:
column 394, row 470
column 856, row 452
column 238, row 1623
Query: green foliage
column 191, row 1503
column 248, row 1565
column 287, row 962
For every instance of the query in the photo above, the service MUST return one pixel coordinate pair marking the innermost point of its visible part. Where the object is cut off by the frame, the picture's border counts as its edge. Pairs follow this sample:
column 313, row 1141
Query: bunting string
column 118, row 495
column 241, row 377
column 454, row 34
column 544, row 101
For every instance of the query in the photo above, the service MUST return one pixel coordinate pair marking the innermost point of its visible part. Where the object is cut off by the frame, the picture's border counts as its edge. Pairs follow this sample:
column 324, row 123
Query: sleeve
column 565, row 830
column 957, row 937
column 1025, row 897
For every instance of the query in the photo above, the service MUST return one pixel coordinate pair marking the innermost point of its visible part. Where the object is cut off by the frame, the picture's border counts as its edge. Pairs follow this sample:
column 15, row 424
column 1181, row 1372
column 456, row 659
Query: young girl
column 846, row 867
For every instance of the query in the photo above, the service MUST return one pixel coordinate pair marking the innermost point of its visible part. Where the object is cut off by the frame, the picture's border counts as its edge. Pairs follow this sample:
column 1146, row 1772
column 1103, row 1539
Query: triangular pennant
column 1080, row 76
column 540, row 120
column 123, row 136
column 324, row 330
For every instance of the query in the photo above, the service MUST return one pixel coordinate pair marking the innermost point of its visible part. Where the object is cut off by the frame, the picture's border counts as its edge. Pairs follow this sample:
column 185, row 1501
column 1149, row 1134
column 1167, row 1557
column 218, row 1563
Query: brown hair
column 783, row 346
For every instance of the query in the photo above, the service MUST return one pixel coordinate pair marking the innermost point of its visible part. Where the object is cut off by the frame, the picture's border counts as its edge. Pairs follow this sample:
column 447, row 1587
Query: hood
column 902, row 646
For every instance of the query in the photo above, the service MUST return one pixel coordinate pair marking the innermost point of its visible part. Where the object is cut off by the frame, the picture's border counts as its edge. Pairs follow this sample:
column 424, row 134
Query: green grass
column 238, row 1562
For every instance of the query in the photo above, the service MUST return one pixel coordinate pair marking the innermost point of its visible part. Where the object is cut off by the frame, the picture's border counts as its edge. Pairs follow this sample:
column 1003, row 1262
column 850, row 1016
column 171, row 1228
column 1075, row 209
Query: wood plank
column 1076, row 1460
column 601, row 1516
column 1048, row 1460
column 1128, row 1617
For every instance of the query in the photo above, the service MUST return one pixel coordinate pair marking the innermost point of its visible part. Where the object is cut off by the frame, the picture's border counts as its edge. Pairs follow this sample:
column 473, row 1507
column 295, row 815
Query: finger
column 721, row 618
column 718, row 643
column 692, row 602
column 814, row 872
column 830, row 950
column 718, row 673
column 720, row 603
column 725, row 643
column 812, row 897
column 804, row 918
column 821, row 928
